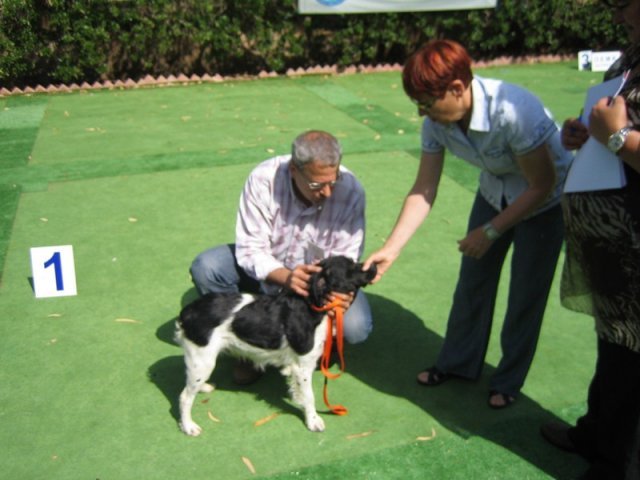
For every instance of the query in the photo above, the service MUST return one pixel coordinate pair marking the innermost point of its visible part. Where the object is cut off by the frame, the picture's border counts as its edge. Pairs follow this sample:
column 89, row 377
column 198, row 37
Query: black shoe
column 433, row 378
column 556, row 434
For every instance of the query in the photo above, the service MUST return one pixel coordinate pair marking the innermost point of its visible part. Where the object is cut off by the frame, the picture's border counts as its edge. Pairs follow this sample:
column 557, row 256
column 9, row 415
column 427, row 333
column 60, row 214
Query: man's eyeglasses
column 315, row 186
column 617, row 3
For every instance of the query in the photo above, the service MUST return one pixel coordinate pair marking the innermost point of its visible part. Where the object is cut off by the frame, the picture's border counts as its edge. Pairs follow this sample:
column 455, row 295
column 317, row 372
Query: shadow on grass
column 400, row 346
column 388, row 362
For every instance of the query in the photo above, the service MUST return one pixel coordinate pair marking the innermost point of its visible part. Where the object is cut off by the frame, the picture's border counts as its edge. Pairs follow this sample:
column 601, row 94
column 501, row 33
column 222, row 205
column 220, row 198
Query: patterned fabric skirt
column 601, row 274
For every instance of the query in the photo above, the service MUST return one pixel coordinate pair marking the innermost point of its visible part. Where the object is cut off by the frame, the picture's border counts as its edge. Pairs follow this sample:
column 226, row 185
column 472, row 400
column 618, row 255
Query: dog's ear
column 317, row 288
column 372, row 272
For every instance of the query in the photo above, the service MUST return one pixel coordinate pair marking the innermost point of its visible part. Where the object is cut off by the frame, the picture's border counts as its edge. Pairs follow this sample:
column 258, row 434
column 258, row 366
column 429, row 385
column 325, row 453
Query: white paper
column 53, row 271
column 595, row 167
column 609, row 88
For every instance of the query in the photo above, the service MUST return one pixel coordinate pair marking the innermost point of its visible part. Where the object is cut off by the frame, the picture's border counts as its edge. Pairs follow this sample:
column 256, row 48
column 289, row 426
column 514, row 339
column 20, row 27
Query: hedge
column 64, row 41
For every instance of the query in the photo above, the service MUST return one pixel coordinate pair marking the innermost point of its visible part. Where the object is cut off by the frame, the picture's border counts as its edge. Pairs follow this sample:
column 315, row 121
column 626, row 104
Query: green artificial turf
column 139, row 182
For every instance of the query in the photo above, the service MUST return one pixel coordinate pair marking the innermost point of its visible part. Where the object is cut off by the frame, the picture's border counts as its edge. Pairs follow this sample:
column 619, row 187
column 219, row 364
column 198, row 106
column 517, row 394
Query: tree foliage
column 63, row 41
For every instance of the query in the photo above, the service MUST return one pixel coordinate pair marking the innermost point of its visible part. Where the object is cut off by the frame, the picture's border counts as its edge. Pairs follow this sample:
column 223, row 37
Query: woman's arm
column 539, row 171
column 606, row 119
column 417, row 206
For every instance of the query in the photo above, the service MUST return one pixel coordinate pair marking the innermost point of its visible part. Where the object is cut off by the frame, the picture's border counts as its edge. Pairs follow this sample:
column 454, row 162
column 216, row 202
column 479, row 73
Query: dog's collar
column 326, row 307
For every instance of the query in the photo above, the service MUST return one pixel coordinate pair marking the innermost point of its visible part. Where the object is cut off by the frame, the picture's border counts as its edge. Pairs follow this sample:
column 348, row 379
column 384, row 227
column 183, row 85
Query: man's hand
column 342, row 300
column 298, row 279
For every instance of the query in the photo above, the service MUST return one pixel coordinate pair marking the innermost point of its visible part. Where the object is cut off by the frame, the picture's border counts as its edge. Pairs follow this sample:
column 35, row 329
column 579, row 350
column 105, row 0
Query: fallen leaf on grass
column 212, row 417
column 54, row 315
column 126, row 320
column 133, row 219
column 249, row 465
column 264, row 420
column 430, row 437
column 360, row 435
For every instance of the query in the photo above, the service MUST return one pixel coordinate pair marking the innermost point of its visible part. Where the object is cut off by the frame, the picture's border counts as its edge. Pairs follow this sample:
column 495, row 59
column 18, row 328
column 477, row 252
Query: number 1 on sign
column 55, row 261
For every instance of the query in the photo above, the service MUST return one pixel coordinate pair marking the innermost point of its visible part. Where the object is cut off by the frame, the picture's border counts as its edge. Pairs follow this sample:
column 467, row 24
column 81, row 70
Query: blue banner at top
column 370, row 6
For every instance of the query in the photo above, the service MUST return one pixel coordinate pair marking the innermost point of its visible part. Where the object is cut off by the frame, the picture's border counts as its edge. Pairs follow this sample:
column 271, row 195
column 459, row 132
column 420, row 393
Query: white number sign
column 53, row 270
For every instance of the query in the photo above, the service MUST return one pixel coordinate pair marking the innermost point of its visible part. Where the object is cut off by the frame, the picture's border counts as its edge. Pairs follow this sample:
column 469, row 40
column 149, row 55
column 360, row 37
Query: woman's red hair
column 431, row 69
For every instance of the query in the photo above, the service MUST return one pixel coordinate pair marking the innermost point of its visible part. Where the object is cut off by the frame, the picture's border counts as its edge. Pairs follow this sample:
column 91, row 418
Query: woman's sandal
column 435, row 377
column 506, row 400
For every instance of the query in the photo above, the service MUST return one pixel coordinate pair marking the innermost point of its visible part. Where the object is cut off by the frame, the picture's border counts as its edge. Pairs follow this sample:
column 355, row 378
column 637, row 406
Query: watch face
column 490, row 232
column 616, row 141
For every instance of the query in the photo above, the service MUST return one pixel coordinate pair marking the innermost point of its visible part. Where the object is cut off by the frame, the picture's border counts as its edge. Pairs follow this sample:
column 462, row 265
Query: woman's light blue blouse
column 506, row 121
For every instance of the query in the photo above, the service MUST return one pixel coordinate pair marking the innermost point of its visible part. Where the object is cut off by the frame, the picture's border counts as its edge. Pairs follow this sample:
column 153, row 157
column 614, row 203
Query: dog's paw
column 315, row 423
column 207, row 388
column 191, row 428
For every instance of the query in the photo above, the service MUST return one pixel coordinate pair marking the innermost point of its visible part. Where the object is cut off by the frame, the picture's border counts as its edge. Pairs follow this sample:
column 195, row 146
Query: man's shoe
column 557, row 434
column 244, row 373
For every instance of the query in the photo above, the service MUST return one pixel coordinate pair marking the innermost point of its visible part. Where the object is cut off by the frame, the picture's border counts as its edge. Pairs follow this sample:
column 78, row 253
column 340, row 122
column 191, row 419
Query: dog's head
column 339, row 274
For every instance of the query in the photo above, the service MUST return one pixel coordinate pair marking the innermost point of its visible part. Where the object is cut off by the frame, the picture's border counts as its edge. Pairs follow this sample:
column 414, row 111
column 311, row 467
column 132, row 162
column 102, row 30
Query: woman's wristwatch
column 617, row 139
column 490, row 231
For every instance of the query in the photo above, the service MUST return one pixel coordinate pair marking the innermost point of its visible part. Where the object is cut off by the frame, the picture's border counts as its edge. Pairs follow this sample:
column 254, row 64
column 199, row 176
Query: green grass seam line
column 37, row 177
column 9, row 198
column 376, row 117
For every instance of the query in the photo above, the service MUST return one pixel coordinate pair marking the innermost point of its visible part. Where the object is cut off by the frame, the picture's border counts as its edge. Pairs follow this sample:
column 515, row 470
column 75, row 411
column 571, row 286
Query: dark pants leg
column 471, row 315
column 537, row 244
column 606, row 434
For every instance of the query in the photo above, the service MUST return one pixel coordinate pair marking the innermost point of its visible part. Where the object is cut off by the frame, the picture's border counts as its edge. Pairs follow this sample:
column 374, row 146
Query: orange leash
column 326, row 354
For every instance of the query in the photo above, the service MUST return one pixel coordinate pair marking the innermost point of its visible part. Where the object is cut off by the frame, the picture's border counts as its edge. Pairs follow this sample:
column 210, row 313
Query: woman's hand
column 607, row 117
column 574, row 134
column 475, row 244
column 383, row 259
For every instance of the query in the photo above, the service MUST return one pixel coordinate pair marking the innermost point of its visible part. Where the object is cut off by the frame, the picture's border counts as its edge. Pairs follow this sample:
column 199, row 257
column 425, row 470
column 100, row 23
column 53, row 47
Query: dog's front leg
column 302, row 393
column 187, row 425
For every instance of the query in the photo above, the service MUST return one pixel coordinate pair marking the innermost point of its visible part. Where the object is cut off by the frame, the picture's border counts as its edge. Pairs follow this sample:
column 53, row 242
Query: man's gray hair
column 316, row 145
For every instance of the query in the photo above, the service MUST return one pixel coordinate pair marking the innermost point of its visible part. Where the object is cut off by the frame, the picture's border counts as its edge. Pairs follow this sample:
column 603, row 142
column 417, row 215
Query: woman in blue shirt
column 506, row 132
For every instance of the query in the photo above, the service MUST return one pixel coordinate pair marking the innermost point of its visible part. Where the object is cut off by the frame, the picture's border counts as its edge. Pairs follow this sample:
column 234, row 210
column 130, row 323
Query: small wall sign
column 597, row 61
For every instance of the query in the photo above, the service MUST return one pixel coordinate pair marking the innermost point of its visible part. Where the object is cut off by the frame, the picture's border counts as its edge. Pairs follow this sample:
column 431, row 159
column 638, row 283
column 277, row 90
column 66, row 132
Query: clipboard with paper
column 595, row 167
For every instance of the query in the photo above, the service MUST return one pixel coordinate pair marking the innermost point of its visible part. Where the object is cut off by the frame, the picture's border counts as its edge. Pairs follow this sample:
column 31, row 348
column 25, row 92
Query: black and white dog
column 281, row 330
